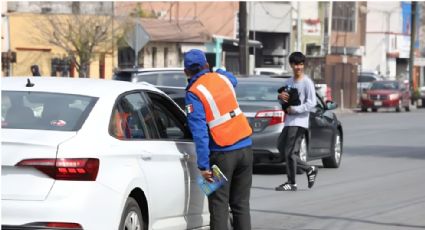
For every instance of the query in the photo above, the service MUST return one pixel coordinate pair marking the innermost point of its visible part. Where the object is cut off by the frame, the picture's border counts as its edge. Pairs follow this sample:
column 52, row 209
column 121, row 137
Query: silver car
column 257, row 98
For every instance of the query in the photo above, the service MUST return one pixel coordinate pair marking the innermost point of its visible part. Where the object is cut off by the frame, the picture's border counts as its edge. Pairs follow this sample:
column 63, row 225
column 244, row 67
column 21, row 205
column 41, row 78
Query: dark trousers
column 237, row 167
column 289, row 145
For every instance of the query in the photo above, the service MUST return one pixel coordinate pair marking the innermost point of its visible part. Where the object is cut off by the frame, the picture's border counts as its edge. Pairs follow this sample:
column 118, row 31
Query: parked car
column 365, row 80
column 172, row 81
column 96, row 154
column 257, row 98
column 386, row 94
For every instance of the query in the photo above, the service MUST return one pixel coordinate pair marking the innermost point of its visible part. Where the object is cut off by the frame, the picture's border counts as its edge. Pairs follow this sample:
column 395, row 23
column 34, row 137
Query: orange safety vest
column 226, row 122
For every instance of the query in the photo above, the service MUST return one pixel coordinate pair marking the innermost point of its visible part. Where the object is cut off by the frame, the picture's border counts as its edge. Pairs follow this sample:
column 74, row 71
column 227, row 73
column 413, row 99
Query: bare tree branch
column 82, row 37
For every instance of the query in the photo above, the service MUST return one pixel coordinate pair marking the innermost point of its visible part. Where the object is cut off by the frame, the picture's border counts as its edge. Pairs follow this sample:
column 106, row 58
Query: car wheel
column 336, row 153
column 131, row 218
column 397, row 109
column 374, row 109
column 364, row 109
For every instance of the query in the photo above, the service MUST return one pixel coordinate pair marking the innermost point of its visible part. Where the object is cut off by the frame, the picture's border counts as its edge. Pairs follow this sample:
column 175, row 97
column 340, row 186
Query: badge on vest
column 189, row 108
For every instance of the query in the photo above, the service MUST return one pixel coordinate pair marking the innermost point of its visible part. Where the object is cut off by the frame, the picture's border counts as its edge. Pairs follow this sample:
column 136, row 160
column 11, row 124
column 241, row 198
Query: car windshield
column 174, row 79
column 366, row 78
column 384, row 85
column 44, row 111
column 257, row 91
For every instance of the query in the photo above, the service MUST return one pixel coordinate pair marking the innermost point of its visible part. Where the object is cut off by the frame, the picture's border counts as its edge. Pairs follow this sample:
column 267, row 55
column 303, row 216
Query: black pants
column 237, row 167
column 289, row 145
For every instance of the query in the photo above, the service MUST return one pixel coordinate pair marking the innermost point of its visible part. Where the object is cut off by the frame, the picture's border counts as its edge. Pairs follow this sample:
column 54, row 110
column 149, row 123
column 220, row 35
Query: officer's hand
column 207, row 174
column 283, row 96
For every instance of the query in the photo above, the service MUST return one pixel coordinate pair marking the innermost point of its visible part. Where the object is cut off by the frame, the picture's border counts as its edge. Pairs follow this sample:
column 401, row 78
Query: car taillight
column 53, row 225
column 274, row 116
column 62, row 225
column 80, row 169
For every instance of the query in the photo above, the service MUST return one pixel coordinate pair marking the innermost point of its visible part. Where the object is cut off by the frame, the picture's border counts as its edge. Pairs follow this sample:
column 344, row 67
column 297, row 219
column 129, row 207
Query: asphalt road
column 380, row 184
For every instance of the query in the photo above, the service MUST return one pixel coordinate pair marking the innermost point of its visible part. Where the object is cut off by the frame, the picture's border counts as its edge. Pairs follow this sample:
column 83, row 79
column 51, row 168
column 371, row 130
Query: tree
column 82, row 37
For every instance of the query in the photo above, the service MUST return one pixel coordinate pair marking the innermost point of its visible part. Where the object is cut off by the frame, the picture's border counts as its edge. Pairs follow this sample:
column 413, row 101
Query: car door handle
column 185, row 156
column 146, row 156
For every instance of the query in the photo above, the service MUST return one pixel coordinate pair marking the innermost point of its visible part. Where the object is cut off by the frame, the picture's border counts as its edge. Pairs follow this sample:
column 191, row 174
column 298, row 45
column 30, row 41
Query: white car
column 96, row 154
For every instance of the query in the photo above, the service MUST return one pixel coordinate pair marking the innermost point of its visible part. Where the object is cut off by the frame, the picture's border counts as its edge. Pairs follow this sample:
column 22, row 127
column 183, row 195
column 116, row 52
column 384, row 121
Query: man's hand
column 207, row 174
column 284, row 96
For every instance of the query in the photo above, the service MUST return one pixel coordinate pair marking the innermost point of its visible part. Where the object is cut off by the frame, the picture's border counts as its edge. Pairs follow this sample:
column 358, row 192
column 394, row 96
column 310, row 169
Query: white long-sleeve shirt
column 307, row 96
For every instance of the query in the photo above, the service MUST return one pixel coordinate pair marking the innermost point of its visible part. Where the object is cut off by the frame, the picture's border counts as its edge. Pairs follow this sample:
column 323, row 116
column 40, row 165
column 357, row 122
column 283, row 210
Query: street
column 379, row 185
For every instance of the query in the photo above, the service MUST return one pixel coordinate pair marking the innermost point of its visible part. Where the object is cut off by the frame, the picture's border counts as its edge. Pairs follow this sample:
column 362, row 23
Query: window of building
column 344, row 16
column 313, row 49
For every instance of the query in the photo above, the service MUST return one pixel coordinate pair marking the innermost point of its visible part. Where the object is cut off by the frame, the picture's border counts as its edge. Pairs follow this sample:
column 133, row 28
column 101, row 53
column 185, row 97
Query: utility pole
column 298, row 27
column 412, row 42
column 243, row 39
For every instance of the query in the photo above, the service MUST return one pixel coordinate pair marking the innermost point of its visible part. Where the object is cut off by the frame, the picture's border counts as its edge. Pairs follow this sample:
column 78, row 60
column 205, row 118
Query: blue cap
column 194, row 59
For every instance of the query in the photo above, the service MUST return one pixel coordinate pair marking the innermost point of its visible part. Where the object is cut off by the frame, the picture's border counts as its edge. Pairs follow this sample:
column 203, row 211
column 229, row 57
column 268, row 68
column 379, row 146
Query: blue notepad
column 209, row 187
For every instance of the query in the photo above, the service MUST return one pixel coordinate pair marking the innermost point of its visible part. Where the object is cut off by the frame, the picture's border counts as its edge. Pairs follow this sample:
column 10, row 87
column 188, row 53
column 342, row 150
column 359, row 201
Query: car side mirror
column 330, row 105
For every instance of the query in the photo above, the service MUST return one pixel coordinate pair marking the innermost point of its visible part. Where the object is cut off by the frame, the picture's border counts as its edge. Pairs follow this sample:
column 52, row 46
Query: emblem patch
column 189, row 108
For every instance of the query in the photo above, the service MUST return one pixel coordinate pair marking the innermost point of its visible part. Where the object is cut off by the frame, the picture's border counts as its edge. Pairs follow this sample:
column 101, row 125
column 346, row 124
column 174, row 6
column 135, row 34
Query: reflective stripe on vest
column 219, row 119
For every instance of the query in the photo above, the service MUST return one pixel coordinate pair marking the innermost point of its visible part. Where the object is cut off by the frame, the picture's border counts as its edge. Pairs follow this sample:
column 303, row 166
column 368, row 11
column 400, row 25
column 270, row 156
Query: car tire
column 374, row 109
column 364, row 109
column 132, row 218
column 334, row 160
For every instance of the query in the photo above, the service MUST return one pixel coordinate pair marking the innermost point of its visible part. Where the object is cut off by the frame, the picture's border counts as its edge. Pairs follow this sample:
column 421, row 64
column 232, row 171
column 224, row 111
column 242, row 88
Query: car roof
column 82, row 86
column 261, row 79
column 145, row 70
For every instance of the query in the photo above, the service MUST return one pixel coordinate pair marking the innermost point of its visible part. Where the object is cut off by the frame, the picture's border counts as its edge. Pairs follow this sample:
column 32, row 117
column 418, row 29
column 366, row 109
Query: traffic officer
column 221, row 134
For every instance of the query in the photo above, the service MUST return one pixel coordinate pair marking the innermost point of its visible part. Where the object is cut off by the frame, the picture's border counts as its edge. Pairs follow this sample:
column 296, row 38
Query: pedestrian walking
column 296, row 122
column 222, row 137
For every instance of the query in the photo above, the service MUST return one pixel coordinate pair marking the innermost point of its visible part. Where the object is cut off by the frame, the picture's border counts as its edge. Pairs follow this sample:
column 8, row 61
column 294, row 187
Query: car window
column 131, row 118
column 253, row 91
column 175, row 79
column 320, row 104
column 45, row 111
column 366, row 78
column 385, row 85
column 169, row 118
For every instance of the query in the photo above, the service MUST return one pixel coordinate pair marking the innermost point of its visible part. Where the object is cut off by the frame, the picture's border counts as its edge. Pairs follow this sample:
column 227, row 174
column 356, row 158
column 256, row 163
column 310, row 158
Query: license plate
column 377, row 103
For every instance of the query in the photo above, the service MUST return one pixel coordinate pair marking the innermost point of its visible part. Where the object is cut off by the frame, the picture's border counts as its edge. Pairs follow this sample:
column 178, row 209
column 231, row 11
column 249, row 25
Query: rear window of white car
column 44, row 111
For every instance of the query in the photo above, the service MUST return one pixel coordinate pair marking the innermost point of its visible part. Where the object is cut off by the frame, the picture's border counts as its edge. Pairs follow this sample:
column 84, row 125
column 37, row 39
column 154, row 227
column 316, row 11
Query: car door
column 321, row 130
column 159, row 164
column 171, row 122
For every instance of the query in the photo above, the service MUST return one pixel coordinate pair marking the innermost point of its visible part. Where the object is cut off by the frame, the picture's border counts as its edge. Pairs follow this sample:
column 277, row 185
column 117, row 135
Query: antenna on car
column 29, row 83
